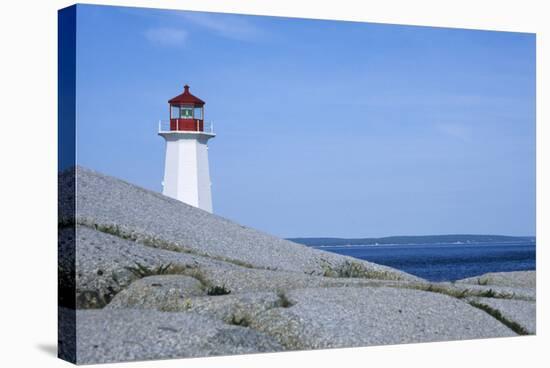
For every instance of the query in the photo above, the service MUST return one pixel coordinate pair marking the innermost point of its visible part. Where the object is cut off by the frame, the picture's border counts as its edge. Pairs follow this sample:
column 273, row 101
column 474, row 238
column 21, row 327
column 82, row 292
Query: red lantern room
column 186, row 112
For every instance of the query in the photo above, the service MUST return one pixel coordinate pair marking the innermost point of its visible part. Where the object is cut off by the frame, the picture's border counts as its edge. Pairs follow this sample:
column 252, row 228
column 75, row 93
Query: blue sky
column 324, row 128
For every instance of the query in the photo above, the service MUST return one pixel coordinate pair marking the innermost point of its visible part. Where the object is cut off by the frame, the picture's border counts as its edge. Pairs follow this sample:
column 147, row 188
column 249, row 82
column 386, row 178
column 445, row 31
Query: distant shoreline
column 443, row 262
column 414, row 240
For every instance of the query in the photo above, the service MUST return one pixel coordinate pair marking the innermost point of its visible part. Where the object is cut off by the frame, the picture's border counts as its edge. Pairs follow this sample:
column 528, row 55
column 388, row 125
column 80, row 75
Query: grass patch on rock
column 218, row 290
column 155, row 242
column 283, row 301
column 353, row 269
column 481, row 281
column 514, row 326
column 242, row 321
column 461, row 293
column 141, row 271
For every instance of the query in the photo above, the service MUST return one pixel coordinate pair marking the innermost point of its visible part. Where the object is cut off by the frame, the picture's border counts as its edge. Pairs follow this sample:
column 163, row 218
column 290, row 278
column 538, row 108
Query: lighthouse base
column 186, row 171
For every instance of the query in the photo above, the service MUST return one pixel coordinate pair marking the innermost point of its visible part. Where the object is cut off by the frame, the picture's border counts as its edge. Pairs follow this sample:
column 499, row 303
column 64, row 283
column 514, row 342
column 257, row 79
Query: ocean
column 445, row 262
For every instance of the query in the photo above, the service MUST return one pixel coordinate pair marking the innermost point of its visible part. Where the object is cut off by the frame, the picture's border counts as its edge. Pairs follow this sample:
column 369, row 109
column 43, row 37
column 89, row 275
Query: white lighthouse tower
column 186, row 172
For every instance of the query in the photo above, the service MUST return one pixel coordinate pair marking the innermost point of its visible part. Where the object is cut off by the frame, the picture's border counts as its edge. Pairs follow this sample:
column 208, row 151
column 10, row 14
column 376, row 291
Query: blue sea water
column 446, row 262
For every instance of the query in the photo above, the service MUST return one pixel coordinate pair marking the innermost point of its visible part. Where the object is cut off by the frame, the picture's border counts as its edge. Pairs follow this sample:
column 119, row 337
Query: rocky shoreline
column 155, row 278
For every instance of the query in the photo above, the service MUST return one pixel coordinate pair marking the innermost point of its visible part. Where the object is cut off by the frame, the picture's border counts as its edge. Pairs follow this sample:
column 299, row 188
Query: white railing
column 164, row 126
column 208, row 127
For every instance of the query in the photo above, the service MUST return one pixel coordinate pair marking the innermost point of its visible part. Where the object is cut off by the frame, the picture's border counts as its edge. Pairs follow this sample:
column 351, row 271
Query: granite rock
column 362, row 316
column 153, row 263
column 517, row 279
column 521, row 312
column 163, row 292
column 123, row 335
column 118, row 207
column 103, row 261
column 344, row 316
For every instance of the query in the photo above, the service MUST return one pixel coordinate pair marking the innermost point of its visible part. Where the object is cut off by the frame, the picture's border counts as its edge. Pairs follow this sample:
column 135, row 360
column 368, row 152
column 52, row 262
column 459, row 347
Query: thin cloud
column 457, row 131
column 167, row 36
column 235, row 27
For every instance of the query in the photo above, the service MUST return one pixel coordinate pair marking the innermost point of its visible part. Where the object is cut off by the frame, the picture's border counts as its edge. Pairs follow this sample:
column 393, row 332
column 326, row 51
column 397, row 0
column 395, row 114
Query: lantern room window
column 198, row 113
column 186, row 112
column 182, row 112
column 175, row 112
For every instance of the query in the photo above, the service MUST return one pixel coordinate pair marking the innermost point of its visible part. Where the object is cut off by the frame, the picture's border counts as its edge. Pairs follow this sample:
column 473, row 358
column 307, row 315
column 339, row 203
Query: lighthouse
column 186, row 172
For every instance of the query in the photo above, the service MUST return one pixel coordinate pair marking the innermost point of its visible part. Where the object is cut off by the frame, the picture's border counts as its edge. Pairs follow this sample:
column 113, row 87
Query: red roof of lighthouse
column 186, row 98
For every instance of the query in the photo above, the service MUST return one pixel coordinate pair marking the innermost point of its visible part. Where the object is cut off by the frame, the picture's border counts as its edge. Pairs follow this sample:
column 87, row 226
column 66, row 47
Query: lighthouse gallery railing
column 207, row 127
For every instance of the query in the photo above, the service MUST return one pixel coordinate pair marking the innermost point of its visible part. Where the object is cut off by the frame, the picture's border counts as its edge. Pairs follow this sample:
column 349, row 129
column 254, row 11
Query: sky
column 324, row 128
